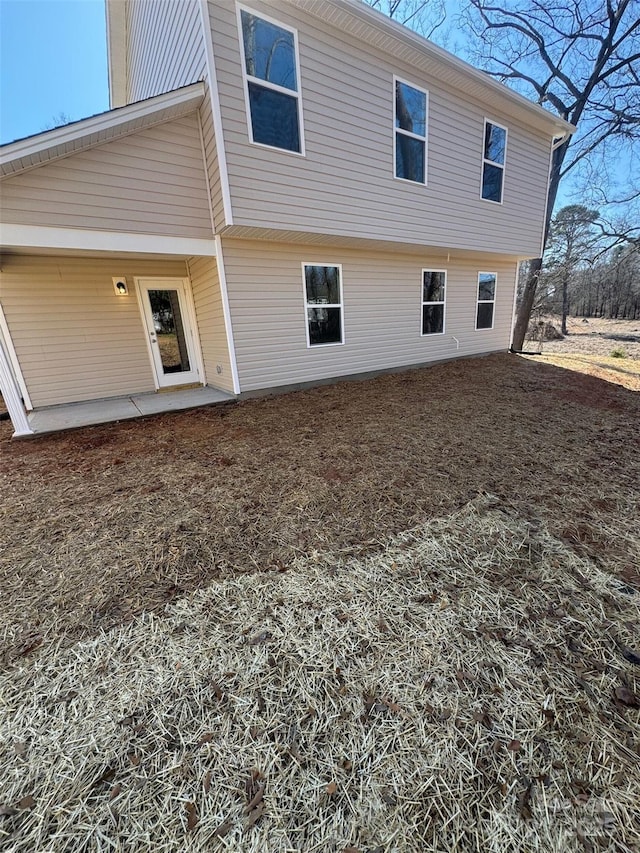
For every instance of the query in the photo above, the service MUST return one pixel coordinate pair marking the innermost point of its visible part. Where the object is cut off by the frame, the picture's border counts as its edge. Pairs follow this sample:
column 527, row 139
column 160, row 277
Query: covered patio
column 75, row 415
column 113, row 303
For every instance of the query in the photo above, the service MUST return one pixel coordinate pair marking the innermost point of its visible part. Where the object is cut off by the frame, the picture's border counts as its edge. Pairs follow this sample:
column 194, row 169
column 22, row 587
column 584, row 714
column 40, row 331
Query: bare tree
column 581, row 58
column 571, row 242
column 423, row 16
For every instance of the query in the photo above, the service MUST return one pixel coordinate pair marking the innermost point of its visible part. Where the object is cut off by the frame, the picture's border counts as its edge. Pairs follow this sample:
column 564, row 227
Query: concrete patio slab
column 75, row 415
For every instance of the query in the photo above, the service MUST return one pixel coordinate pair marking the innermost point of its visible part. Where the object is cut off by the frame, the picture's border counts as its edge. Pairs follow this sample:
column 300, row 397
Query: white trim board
column 214, row 96
column 49, row 237
column 226, row 311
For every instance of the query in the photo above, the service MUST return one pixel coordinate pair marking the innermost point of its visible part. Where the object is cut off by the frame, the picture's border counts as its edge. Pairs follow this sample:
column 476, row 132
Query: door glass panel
column 169, row 329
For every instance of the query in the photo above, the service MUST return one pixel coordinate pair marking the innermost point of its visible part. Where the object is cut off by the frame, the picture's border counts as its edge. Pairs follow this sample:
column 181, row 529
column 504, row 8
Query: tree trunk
column 565, row 304
column 529, row 292
column 526, row 304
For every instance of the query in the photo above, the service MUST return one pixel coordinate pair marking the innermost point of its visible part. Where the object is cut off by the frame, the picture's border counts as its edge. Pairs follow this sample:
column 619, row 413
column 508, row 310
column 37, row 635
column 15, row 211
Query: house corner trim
column 216, row 111
column 227, row 315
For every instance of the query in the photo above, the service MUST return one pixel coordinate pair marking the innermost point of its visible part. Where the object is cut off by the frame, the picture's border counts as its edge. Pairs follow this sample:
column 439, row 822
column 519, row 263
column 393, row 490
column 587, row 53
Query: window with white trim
column 494, row 155
column 410, row 132
column 270, row 63
column 486, row 299
column 323, row 304
column 434, row 284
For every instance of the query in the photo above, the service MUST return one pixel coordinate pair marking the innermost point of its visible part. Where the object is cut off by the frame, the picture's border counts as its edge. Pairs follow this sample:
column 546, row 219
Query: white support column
column 12, row 399
column 11, row 395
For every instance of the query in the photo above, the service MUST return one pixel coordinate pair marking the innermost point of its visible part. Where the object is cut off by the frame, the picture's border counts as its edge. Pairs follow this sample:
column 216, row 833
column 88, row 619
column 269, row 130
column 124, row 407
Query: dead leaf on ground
column 206, row 783
column 192, row 816
column 223, row 829
column 392, row 706
column 483, row 718
column 217, row 690
column 627, row 697
column 630, row 655
column 255, row 815
column 27, row 802
column 256, row 799
column 514, row 745
column 206, row 738
column 331, row 788
column 524, row 800
column 20, row 748
column 261, row 637
column 115, row 791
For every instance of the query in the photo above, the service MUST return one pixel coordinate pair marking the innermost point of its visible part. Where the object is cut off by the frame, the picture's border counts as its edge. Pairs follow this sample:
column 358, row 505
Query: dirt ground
column 102, row 523
column 590, row 346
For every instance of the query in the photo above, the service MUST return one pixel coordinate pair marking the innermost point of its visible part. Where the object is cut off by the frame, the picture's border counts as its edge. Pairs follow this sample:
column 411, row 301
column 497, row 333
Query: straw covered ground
column 386, row 616
column 470, row 687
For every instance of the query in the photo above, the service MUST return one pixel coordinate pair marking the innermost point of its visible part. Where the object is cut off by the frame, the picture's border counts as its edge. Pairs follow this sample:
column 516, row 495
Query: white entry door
column 166, row 309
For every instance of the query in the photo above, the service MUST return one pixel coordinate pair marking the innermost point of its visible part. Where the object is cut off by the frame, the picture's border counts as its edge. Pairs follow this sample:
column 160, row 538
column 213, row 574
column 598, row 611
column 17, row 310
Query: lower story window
column 433, row 298
column 486, row 299
column 323, row 304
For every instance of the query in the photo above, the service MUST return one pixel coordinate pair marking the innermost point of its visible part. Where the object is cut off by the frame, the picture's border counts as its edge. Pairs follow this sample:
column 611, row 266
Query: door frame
column 190, row 312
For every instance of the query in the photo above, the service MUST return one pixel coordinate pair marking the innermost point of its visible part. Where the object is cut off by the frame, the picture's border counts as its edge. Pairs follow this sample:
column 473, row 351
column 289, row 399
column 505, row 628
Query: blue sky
column 53, row 61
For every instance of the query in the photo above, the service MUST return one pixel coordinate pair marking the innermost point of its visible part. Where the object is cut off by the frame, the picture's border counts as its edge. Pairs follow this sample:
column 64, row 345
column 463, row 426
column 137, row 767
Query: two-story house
column 282, row 193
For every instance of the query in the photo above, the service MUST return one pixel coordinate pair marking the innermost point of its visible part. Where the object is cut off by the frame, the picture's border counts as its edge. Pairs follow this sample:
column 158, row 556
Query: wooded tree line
column 605, row 286
column 581, row 59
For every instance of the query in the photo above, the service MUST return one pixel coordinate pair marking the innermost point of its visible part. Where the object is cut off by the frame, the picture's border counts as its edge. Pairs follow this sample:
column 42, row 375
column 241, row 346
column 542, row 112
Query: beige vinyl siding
column 211, row 160
column 150, row 182
column 345, row 184
column 74, row 338
column 165, row 50
column 382, row 298
column 164, row 46
column 207, row 298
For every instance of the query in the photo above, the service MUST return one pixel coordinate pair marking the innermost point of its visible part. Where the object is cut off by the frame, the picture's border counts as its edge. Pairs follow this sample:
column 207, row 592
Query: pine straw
column 455, row 691
column 100, row 524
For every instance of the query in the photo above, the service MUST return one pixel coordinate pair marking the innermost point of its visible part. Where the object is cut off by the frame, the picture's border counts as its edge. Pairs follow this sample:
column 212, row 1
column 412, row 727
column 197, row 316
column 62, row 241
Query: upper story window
column 434, row 284
column 493, row 160
column 486, row 299
column 323, row 304
column 410, row 132
column 271, row 72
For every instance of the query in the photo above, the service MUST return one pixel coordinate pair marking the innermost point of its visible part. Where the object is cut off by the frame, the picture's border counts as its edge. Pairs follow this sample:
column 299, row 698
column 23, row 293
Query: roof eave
column 34, row 151
column 553, row 124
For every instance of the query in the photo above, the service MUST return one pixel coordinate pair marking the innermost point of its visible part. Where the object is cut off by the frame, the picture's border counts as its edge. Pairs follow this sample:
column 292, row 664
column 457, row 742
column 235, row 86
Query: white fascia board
column 362, row 10
column 137, row 115
column 45, row 237
column 115, row 14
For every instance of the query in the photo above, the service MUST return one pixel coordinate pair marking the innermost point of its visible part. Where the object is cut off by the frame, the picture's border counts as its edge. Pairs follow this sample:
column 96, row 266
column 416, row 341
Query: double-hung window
column 323, row 304
column 493, row 161
column 486, row 300
column 270, row 59
column 433, row 299
column 410, row 132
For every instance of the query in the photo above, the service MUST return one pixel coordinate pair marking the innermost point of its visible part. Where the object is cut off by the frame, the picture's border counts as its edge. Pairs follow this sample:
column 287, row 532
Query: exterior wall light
column 120, row 285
